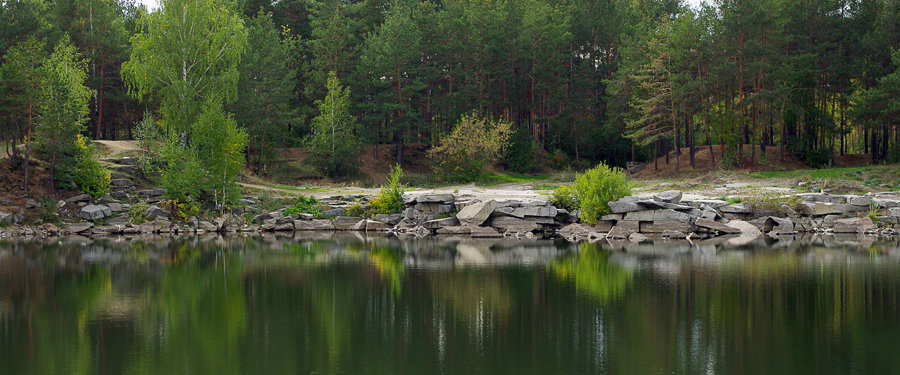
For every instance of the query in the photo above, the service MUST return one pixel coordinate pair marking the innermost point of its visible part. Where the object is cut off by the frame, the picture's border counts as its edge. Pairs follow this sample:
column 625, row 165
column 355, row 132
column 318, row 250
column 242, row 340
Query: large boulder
column 854, row 225
column 94, row 212
column 749, row 232
column 312, row 225
column 715, row 226
column 440, row 223
column 155, row 212
column 513, row 224
column 535, row 211
column 657, row 215
column 778, row 226
column 661, row 226
column 626, row 204
column 671, row 196
column 392, row 219
column 823, row 209
column 476, row 214
column 433, row 198
column 79, row 227
column 623, row 229
column 739, row 208
column 343, row 222
column 79, row 198
column 335, row 212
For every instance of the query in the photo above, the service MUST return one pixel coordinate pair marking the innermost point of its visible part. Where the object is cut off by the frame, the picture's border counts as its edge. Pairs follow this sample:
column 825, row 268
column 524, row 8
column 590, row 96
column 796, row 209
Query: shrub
column 305, row 205
column 84, row 171
column 355, row 210
column 137, row 211
column 596, row 188
column 48, row 209
column 390, row 197
column 472, row 144
column 149, row 140
column 564, row 197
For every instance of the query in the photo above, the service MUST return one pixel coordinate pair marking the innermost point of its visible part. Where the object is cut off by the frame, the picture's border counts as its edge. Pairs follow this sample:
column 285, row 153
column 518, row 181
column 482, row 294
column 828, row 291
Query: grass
column 544, row 187
column 509, row 178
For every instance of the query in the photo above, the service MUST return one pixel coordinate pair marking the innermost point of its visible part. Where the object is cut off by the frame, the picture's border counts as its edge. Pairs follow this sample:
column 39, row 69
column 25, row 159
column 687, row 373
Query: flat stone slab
column 94, row 212
column 716, row 226
column 476, row 214
column 657, row 215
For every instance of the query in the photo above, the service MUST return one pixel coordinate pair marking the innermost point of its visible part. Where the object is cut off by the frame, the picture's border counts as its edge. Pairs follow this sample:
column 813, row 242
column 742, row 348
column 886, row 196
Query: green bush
column 390, row 198
column 305, row 205
column 473, row 144
column 47, row 209
column 564, row 197
column 84, row 171
column 137, row 211
column 355, row 210
column 596, row 188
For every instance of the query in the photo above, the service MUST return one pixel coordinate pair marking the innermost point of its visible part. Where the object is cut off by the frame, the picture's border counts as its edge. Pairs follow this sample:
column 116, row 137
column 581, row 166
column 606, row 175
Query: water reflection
column 348, row 304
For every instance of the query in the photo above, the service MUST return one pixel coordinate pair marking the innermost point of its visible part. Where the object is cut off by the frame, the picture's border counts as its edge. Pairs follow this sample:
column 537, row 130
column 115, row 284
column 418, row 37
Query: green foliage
column 220, row 145
column 523, row 153
column 355, row 210
column 63, row 111
column 186, row 55
column 266, row 102
column 596, row 188
column 305, row 205
column 390, row 198
column 473, row 144
column 47, row 209
column 137, row 212
column 84, row 171
column 593, row 274
column 333, row 144
column 564, row 197
column 150, row 141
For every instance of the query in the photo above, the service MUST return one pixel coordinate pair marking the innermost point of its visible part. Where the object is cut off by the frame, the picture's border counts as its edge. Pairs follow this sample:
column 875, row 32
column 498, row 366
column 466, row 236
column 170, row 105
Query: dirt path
column 114, row 149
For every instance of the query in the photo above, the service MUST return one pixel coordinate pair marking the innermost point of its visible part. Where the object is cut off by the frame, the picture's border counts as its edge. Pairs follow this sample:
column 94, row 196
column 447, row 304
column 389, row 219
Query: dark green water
column 350, row 305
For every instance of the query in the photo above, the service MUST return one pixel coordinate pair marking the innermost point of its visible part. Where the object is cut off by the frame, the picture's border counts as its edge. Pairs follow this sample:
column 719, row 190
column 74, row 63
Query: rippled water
column 355, row 305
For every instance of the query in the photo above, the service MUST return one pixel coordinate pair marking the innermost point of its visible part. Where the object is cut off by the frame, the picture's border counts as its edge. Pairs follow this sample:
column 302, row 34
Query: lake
column 347, row 304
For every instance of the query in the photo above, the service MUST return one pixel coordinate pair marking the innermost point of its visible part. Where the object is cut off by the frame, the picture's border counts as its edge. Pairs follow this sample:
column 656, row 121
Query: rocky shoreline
column 663, row 215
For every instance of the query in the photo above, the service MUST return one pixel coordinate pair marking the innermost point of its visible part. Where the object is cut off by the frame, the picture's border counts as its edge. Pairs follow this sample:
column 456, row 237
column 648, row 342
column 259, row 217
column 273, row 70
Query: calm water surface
column 355, row 305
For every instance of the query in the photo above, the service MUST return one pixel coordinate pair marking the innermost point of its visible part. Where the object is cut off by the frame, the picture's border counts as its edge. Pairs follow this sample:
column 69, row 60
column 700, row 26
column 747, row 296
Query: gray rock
column 343, row 222
column 626, row 204
column 121, row 183
column 207, row 226
column 613, row 217
column 820, row 198
column 739, row 208
column 604, row 226
column 886, row 203
column 822, row 209
column 115, row 207
column 637, row 237
column 151, row 193
column 454, row 230
column 657, row 215
column 623, row 229
column 748, row 232
column 154, row 212
column 94, row 212
column 860, row 200
column 334, row 212
column 778, row 226
column 671, row 196
column 660, row 226
column 440, row 223
column 79, row 227
column 485, row 232
column 312, row 225
column 513, row 224
column 377, row 226
column 712, row 203
column 266, row 216
column 434, row 198
column 391, row 220
column 535, row 211
column 31, row 203
column 854, row 225
column 476, row 214
column 79, row 198
column 716, row 226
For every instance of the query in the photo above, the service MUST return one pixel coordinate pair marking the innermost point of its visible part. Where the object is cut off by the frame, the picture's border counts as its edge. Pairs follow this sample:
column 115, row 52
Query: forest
column 221, row 83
